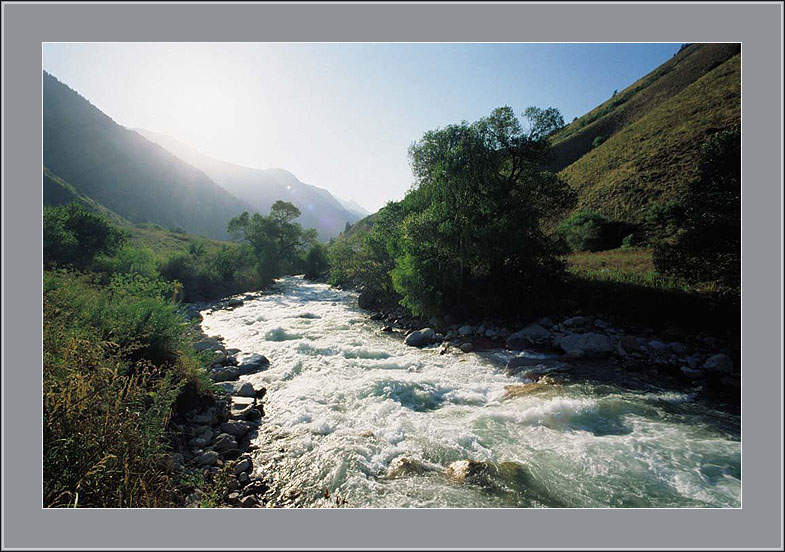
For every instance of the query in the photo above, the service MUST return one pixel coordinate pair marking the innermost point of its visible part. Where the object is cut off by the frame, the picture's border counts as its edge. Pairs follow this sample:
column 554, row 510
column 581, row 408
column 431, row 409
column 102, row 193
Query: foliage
column 706, row 247
column 72, row 235
column 469, row 227
column 276, row 240
column 316, row 262
column 115, row 357
column 585, row 231
column 543, row 122
column 597, row 141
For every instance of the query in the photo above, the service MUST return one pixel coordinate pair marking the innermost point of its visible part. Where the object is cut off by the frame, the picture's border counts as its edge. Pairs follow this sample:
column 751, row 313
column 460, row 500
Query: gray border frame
column 758, row 524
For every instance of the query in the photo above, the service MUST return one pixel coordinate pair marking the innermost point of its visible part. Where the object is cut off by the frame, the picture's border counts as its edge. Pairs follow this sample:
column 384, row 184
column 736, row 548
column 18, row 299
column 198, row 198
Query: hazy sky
column 338, row 116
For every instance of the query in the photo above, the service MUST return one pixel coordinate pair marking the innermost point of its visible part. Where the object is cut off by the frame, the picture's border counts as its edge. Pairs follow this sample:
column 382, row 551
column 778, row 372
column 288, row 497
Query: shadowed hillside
column 125, row 172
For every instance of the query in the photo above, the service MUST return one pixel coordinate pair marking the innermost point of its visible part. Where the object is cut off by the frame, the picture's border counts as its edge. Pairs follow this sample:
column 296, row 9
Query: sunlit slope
column 651, row 158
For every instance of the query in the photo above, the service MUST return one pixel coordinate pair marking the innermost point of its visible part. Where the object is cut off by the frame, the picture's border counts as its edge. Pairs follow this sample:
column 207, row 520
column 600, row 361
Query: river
column 348, row 404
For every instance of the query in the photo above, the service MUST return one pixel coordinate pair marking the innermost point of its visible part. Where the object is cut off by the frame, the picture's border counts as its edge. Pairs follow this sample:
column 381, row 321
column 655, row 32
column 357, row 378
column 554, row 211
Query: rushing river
column 350, row 408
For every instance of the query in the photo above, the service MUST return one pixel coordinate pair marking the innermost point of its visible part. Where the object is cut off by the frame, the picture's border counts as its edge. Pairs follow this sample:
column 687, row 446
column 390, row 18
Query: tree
column 277, row 241
column 316, row 262
column 472, row 233
column 543, row 122
column 72, row 235
column 706, row 247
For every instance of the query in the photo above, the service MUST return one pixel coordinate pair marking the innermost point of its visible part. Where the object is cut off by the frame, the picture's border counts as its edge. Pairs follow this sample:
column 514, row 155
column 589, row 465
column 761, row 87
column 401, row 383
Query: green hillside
column 651, row 133
column 125, row 172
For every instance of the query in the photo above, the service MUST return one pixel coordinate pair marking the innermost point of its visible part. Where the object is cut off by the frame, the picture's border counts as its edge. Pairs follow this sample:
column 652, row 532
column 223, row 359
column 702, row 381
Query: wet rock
column 237, row 388
column 418, row 338
column 719, row 364
column 403, row 466
column 249, row 501
column 208, row 344
column 678, row 348
column 519, row 364
column 467, row 347
column 243, row 478
column 657, row 345
column 387, row 329
column 250, row 363
column 532, row 335
column 227, row 373
column 630, row 344
column 523, row 389
column 690, row 373
column 242, row 466
column 575, row 321
column 591, row 345
column 202, row 419
column 466, row 330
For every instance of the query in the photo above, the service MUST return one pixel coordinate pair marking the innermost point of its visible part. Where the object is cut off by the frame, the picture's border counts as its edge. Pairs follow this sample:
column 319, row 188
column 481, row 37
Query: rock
column 208, row 344
column 249, row 363
column 403, row 466
column 236, row 428
column 532, row 335
column 678, row 348
column 254, row 414
column 249, row 501
column 243, row 478
column 719, row 364
column 518, row 364
column 575, row 354
column 600, row 324
column 387, row 329
column 224, row 442
column 491, row 333
column 198, row 430
column 233, row 497
column 520, row 390
column 418, row 339
column 630, row 344
column 467, row 347
column 545, row 322
column 575, row 321
column 207, row 458
column 690, row 373
column 466, row 330
column 428, row 333
column 202, row 419
column 657, row 345
column 228, row 373
column 242, row 466
column 590, row 345
column 238, row 388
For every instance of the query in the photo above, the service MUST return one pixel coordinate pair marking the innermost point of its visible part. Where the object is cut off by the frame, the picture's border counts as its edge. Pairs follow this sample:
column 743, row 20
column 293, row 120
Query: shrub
column 597, row 141
column 585, row 231
column 316, row 262
column 72, row 235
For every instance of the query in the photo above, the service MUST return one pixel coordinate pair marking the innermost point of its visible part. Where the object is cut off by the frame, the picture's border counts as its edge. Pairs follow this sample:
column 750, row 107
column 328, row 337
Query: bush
column 597, row 141
column 316, row 262
column 586, row 231
column 115, row 358
column 706, row 246
column 73, row 236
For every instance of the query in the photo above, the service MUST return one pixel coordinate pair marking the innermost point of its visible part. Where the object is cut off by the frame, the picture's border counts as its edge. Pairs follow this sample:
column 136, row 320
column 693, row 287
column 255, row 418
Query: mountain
column 260, row 188
column 641, row 146
column 353, row 207
column 123, row 171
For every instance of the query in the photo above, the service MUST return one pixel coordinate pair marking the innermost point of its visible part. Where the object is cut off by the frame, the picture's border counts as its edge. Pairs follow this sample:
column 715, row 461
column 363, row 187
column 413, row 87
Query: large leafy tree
column 472, row 234
column 277, row 241
column 72, row 235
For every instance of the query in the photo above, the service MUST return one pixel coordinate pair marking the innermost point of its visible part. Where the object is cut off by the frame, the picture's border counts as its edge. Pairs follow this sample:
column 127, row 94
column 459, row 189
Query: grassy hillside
column 125, row 172
column 652, row 139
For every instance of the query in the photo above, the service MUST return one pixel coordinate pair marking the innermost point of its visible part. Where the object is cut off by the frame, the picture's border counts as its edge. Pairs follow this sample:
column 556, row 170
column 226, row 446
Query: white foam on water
column 346, row 400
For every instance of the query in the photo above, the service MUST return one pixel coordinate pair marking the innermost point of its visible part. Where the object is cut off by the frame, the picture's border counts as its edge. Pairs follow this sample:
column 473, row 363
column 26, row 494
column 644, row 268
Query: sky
column 340, row 116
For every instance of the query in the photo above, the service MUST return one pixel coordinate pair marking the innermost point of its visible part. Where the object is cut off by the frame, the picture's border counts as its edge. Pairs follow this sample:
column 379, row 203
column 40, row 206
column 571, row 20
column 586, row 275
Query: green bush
column 585, row 231
column 597, row 141
column 73, row 236
column 316, row 262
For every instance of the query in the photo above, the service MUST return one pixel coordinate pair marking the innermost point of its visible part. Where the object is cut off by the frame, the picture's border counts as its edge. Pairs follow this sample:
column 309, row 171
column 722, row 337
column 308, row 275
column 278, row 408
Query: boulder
column 224, row 442
column 466, row 330
column 207, row 458
column 589, row 345
column 690, row 373
column 630, row 344
column 208, row 344
column 467, row 347
column 575, row 321
column 249, row 363
column 249, row 501
column 238, row 388
column 418, row 339
column 242, row 466
column 227, row 373
column 403, row 466
column 532, row 335
column 719, row 364
column 519, row 365
column 236, row 428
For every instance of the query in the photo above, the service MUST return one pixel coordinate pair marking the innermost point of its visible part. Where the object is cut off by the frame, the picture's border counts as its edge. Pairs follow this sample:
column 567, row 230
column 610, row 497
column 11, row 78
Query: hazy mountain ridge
column 260, row 188
column 126, row 173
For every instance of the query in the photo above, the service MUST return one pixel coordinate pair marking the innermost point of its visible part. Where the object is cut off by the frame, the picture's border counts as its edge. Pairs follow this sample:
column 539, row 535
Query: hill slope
column 124, row 171
column 652, row 132
column 260, row 188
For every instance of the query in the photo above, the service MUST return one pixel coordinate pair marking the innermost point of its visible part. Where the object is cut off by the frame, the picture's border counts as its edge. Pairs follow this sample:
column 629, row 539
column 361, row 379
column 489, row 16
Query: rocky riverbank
column 584, row 346
column 213, row 431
